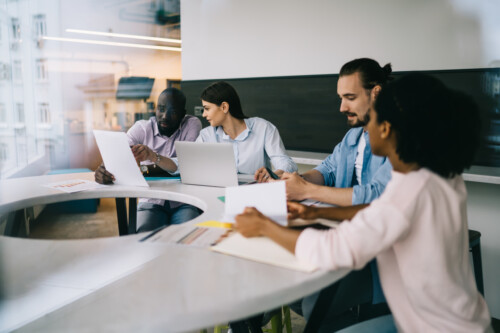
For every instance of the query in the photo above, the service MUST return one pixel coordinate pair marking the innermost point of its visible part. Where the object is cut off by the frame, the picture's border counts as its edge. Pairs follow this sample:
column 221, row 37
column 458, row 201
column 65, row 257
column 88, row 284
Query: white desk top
column 120, row 284
column 479, row 174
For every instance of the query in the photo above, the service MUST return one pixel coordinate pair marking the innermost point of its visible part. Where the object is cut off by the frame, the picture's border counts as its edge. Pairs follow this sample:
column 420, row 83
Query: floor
column 51, row 224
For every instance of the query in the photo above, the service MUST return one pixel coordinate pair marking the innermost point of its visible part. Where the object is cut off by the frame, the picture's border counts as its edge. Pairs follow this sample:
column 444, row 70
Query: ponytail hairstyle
column 219, row 92
column 370, row 72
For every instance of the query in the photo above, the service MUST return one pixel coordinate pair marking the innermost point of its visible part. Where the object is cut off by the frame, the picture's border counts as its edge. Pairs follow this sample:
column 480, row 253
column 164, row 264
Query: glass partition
column 60, row 65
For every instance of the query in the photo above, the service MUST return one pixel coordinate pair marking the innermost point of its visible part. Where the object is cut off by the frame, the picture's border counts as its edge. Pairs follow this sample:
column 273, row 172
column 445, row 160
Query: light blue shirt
column 338, row 168
column 257, row 146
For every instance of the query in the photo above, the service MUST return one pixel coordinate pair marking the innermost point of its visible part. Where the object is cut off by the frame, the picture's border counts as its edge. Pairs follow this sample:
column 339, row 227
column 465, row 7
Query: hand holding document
column 118, row 158
column 268, row 198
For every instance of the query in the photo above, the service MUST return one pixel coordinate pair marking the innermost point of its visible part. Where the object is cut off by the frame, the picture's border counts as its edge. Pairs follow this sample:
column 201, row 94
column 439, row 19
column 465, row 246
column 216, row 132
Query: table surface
column 121, row 284
column 477, row 173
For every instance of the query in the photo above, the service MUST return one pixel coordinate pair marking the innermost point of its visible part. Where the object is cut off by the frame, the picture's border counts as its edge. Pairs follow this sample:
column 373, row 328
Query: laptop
column 210, row 164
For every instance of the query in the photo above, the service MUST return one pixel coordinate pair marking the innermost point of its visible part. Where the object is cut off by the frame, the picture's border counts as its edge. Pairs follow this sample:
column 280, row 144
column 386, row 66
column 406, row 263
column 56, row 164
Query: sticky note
column 215, row 224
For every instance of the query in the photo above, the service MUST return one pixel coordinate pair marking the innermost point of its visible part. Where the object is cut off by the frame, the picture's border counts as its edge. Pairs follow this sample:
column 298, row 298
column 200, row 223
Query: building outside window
column 4, row 71
column 17, row 71
column 43, row 113
column 22, row 153
column 16, row 29
column 39, row 26
column 3, row 152
column 39, row 29
column 42, row 74
column 3, row 114
column 20, row 113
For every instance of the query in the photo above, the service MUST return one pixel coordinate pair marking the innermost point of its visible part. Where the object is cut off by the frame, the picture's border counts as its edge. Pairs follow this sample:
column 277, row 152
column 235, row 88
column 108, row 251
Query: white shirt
column 418, row 232
column 257, row 146
column 358, row 163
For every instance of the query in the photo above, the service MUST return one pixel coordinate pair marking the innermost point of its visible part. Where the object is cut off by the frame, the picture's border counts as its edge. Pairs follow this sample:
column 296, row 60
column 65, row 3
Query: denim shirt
column 338, row 168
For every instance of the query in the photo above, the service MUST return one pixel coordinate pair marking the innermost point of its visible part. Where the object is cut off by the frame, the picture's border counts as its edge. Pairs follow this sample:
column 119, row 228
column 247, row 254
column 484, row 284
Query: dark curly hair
column 222, row 91
column 435, row 127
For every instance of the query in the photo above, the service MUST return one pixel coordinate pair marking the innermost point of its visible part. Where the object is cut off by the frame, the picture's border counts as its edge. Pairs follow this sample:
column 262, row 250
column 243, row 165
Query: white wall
column 259, row 38
column 262, row 38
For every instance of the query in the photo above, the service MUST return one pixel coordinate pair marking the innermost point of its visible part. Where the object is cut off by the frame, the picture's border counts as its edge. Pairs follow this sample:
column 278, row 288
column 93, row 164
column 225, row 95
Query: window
column 3, row 152
column 39, row 29
column 43, row 113
column 4, row 72
column 39, row 26
column 20, row 113
column 22, row 153
column 17, row 71
column 41, row 70
column 16, row 30
column 3, row 115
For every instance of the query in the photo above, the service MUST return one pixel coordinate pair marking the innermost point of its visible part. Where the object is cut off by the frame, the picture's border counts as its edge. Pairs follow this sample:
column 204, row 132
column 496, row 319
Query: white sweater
column 418, row 232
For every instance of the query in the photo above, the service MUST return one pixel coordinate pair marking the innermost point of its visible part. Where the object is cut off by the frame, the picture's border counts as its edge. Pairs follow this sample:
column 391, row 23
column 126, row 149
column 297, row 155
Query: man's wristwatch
column 158, row 157
column 144, row 168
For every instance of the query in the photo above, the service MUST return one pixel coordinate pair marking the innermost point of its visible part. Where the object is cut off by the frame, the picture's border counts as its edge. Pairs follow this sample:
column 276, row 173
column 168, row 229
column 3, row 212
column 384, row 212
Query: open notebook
column 261, row 249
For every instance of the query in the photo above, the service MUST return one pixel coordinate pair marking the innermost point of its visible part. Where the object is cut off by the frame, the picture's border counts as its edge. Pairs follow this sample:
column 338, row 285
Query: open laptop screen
column 210, row 164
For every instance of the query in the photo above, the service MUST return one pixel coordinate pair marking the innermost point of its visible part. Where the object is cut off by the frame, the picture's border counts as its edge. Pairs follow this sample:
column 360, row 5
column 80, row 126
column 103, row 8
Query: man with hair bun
column 351, row 175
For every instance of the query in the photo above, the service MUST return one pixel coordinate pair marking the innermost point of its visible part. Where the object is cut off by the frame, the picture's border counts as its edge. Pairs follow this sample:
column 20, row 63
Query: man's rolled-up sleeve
column 362, row 194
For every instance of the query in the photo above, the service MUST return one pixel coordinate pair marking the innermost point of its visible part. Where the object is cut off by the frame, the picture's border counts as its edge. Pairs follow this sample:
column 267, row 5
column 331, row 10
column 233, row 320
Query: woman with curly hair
column 417, row 229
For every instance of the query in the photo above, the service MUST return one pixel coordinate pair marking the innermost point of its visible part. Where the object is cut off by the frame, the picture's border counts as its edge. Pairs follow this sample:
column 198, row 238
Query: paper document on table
column 118, row 158
column 74, row 185
column 261, row 249
column 188, row 235
column 268, row 198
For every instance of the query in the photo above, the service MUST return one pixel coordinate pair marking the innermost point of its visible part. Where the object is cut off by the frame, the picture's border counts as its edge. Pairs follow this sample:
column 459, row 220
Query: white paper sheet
column 268, row 198
column 118, row 158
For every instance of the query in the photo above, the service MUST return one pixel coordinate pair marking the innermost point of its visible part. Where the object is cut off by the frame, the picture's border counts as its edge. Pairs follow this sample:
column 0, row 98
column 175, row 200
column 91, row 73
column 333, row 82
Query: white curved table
column 121, row 284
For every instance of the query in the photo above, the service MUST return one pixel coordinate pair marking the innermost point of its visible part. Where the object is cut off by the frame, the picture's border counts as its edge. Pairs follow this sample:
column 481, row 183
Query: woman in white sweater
column 417, row 229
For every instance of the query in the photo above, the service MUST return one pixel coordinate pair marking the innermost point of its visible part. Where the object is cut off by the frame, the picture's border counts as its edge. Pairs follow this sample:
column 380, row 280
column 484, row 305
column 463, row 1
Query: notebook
column 209, row 164
column 261, row 249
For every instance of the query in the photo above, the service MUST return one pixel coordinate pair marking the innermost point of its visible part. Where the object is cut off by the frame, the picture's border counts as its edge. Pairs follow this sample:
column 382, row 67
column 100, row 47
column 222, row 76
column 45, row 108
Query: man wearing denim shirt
column 351, row 175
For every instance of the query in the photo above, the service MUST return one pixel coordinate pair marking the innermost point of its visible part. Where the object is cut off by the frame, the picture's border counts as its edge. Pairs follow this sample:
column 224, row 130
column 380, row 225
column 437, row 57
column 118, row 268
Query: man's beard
column 165, row 131
column 359, row 122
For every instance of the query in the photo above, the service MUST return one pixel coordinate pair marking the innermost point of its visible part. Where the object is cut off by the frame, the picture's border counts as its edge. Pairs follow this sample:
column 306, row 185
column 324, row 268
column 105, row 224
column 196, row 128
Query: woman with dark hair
column 417, row 229
column 256, row 142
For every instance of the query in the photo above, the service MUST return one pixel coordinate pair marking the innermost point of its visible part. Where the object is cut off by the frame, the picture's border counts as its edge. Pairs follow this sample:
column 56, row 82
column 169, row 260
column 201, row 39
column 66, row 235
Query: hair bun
column 387, row 70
